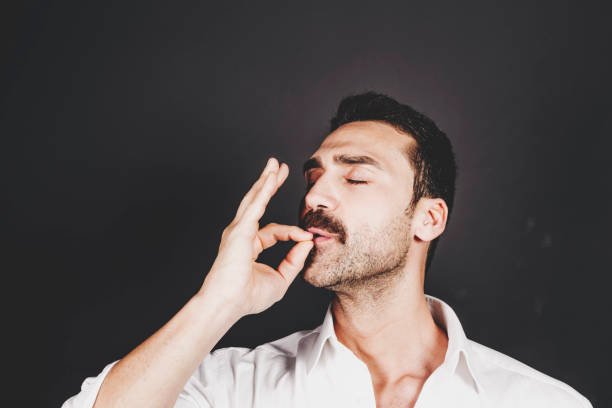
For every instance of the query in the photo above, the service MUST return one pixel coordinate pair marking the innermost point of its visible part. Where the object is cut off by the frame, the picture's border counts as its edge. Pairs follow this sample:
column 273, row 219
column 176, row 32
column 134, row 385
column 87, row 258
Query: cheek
column 374, row 201
column 372, row 211
column 368, row 215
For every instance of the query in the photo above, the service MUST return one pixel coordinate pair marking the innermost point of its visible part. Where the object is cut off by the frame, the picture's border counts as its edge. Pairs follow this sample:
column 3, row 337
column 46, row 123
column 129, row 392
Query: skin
column 154, row 373
column 377, row 275
column 376, row 272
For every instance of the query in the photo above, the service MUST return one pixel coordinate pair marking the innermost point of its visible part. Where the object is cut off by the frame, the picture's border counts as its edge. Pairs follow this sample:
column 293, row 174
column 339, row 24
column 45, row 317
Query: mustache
column 319, row 219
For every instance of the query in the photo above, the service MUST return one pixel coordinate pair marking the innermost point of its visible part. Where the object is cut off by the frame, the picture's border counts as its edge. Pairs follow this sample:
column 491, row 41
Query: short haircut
column 432, row 157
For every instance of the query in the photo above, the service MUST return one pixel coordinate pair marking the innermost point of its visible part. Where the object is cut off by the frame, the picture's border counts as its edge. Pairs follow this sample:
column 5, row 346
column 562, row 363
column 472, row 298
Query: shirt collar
column 459, row 358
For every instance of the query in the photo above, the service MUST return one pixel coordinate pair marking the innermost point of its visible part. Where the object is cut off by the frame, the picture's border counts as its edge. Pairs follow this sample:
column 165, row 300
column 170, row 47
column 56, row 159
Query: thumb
column 294, row 261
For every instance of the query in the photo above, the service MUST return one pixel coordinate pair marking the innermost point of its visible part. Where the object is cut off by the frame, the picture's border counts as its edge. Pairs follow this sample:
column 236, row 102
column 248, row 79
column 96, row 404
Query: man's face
column 359, row 186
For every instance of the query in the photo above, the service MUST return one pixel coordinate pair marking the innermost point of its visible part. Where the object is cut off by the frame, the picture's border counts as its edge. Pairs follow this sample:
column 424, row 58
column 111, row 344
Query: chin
column 315, row 276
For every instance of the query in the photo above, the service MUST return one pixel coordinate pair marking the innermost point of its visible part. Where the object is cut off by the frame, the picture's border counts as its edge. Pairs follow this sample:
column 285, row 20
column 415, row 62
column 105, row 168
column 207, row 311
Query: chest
column 403, row 395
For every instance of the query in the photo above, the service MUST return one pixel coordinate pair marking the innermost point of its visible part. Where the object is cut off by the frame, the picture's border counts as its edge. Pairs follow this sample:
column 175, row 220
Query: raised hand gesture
column 251, row 286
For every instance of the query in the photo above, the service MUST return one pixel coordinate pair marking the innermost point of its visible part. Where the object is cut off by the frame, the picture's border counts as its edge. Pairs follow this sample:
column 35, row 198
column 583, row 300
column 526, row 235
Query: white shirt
column 311, row 368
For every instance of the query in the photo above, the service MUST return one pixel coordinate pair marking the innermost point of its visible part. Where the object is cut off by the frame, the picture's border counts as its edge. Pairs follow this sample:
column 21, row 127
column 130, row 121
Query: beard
column 367, row 257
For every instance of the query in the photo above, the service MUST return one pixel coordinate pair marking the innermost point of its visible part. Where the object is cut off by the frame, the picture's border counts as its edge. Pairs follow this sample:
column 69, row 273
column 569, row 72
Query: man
column 379, row 194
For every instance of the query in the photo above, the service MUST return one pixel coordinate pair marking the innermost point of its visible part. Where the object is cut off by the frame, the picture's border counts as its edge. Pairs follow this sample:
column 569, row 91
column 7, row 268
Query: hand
column 250, row 286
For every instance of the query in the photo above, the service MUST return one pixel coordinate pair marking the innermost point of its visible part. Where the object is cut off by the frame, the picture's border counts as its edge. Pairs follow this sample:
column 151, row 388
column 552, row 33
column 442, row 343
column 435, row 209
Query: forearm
column 155, row 372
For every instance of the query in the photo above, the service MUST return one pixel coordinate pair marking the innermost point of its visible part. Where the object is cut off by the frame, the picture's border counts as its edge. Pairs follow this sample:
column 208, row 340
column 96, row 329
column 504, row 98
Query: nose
column 321, row 196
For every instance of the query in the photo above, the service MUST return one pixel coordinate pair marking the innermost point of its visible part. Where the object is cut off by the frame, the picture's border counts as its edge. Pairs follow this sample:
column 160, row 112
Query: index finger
column 272, row 233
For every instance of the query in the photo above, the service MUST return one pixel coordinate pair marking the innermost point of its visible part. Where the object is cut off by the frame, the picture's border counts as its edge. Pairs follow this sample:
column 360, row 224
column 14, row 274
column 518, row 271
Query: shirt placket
column 358, row 388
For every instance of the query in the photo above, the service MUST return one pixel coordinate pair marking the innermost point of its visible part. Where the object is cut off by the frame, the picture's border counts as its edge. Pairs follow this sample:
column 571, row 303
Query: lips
column 320, row 232
column 324, row 226
column 320, row 236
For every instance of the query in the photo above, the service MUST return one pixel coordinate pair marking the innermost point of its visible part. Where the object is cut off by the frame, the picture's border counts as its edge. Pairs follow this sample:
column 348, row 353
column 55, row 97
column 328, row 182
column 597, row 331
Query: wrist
column 207, row 299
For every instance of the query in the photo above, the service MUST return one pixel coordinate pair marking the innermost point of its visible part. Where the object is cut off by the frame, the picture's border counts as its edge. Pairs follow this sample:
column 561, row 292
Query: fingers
column 272, row 233
column 271, row 165
column 256, row 208
column 294, row 261
column 283, row 172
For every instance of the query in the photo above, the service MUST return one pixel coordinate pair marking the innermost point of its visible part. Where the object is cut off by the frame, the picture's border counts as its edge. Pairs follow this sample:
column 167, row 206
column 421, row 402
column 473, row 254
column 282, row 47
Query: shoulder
column 230, row 376
column 504, row 378
column 285, row 347
column 271, row 355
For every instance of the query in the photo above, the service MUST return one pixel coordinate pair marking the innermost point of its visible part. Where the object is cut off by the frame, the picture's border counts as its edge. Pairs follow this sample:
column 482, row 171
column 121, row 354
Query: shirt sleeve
column 223, row 379
column 211, row 385
column 91, row 386
column 89, row 390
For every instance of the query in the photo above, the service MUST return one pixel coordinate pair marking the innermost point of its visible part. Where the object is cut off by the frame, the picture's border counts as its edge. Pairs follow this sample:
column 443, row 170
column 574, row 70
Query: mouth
column 321, row 236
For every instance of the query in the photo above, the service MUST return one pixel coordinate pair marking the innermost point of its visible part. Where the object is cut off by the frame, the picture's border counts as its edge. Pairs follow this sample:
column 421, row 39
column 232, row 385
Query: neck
column 386, row 323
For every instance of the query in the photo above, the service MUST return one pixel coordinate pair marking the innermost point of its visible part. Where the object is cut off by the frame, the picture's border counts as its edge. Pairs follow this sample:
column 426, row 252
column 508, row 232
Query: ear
column 430, row 218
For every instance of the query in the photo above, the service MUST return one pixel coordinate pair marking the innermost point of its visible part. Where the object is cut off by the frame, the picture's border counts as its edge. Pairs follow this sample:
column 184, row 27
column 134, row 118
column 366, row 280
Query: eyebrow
column 315, row 162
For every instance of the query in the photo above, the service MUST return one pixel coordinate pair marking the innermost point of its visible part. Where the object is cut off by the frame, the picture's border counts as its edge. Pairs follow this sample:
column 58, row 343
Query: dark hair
column 432, row 157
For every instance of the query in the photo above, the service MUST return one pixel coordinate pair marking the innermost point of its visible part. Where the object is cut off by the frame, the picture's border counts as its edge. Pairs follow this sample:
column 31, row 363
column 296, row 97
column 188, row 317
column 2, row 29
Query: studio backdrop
column 132, row 131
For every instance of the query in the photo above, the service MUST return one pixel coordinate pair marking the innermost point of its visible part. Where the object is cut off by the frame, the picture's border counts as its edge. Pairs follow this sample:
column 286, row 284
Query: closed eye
column 351, row 181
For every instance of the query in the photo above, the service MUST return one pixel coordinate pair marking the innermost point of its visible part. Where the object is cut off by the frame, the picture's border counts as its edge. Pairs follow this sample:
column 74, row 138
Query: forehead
column 378, row 139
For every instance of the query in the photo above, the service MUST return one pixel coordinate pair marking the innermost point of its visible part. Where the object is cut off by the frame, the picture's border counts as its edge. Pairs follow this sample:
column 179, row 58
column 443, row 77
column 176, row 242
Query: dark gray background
column 130, row 133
